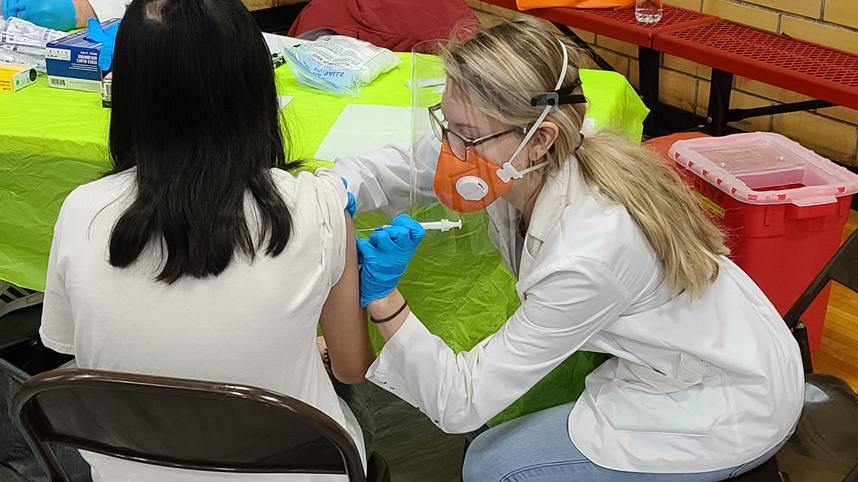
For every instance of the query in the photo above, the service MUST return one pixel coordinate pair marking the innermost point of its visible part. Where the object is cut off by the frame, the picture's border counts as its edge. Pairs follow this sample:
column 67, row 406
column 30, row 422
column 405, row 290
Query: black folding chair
column 825, row 443
column 184, row 424
column 17, row 462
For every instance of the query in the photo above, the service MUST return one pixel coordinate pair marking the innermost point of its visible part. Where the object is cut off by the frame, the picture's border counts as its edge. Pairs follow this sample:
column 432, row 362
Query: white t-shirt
column 254, row 324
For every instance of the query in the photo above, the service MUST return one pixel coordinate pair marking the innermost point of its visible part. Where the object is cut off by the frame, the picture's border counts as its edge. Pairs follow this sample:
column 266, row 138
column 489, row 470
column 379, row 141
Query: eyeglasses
column 459, row 144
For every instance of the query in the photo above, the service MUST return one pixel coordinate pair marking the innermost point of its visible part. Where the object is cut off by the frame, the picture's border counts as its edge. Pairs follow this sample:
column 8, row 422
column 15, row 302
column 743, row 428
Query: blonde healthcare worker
column 63, row 14
column 612, row 254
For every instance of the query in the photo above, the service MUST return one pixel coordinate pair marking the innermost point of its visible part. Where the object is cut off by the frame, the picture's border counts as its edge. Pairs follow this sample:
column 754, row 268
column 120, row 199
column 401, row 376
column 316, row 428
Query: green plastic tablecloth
column 53, row 140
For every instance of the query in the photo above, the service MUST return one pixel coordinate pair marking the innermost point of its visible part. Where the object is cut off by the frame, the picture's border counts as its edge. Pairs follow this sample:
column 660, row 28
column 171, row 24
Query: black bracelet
column 385, row 320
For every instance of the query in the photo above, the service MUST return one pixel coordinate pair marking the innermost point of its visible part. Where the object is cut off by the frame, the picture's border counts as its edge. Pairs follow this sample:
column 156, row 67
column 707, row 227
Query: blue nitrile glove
column 107, row 38
column 55, row 14
column 385, row 255
column 351, row 205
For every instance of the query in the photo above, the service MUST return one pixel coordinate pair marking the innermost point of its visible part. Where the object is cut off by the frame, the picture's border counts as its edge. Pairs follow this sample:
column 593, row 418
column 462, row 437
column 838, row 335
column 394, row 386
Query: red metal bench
column 731, row 49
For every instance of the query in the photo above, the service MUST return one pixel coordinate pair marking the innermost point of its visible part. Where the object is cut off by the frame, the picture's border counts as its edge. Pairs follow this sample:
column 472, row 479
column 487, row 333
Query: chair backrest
column 842, row 268
column 180, row 423
column 845, row 268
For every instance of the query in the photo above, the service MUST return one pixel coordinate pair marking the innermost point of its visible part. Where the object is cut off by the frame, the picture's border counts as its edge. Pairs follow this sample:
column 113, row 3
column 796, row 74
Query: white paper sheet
column 283, row 100
column 427, row 82
column 364, row 128
column 277, row 42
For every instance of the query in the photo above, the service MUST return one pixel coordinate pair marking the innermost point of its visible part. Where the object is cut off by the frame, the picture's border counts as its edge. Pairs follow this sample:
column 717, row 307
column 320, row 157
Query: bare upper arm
column 344, row 322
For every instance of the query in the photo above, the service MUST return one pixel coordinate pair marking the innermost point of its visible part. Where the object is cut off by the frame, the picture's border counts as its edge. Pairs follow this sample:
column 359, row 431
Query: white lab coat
column 695, row 385
column 107, row 9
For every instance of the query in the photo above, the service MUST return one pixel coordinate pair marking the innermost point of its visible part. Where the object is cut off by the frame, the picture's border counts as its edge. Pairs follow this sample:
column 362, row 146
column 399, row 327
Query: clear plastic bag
column 24, row 42
column 339, row 64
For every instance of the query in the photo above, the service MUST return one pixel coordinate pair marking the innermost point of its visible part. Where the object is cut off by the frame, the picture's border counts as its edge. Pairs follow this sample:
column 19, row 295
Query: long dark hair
column 195, row 110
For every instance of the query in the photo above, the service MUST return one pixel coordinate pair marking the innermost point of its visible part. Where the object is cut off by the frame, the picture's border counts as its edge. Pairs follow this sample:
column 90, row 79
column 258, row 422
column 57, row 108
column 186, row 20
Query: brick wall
column 832, row 132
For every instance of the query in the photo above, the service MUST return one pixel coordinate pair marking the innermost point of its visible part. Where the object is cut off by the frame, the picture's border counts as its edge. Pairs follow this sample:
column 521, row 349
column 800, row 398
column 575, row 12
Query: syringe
column 442, row 225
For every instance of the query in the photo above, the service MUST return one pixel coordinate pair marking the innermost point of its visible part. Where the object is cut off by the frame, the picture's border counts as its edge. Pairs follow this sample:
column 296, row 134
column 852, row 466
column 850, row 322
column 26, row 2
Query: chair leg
column 464, row 453
column 852, row 476
column 377, row 469
column 47, row 459
column 800, row 332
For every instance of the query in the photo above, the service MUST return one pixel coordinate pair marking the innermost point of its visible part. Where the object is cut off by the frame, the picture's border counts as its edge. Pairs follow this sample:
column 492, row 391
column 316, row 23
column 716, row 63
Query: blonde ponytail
column 687, row 243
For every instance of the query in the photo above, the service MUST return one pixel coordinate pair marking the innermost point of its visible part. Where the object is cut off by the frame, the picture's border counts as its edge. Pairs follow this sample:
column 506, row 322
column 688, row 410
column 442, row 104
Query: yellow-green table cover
column 53, row 140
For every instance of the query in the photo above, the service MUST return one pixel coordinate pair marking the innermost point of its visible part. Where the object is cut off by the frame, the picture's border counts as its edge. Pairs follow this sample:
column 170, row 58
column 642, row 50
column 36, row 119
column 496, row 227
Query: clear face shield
column 427, row 85
column 456, row 283
column 468, row 168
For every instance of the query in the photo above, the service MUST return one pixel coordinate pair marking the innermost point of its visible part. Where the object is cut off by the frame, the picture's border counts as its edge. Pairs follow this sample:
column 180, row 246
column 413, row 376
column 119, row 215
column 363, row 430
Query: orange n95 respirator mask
column 475, row 183
column 472, row 185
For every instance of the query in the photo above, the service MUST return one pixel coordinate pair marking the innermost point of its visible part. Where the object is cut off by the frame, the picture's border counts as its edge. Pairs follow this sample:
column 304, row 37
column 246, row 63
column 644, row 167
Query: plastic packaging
column 339, row 64
column 25, row 42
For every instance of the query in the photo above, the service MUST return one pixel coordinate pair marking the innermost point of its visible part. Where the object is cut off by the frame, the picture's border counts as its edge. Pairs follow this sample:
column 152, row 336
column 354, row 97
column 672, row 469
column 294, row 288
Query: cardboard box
column 72, row 61
column 14, row 77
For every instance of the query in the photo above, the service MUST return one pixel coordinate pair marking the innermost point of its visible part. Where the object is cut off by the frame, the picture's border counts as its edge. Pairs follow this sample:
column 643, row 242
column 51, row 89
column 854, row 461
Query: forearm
column 453, row 390
column 383, row 308
column 83, row 11
column 574, row 300
column 349, row 365
column 423, row 370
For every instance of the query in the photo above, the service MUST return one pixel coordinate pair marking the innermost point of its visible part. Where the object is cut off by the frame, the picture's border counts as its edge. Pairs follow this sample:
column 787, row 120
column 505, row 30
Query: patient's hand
column 323, row 353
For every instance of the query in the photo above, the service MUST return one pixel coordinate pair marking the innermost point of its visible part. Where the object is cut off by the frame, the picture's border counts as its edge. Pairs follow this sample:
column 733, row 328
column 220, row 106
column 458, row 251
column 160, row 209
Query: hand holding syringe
column 442, row 225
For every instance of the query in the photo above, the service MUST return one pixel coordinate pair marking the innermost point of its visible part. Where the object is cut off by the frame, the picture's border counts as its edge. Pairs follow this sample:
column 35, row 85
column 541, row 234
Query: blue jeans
column 537, row 448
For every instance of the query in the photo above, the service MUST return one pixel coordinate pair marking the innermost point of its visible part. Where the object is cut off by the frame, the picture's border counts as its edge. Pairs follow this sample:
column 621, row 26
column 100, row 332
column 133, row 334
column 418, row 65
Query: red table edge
column 787, row 79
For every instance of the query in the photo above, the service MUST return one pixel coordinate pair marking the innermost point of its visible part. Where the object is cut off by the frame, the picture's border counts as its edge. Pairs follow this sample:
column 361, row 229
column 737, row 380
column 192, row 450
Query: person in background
column 62, row 14
column 393, row 24
column 199, row 255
